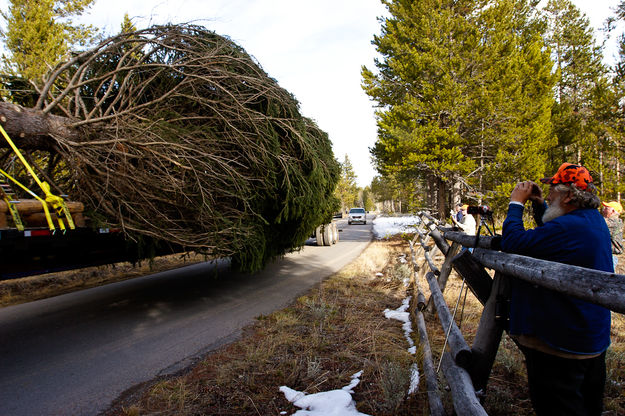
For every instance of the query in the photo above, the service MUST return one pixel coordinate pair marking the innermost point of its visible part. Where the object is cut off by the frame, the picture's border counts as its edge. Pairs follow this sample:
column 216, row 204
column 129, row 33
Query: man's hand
column 526, row 190
column 537, row 194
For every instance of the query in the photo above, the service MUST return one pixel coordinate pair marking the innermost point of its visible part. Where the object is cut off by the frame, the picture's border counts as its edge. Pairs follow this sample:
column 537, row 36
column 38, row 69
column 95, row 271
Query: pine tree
column 420, row 89
column 578, row 69
column 607, row 126
column 346, row 189
column 463, row 92
column 386, row 191
column 610, row 116
column 367, row 199
column 509, row 117
column 40, row 34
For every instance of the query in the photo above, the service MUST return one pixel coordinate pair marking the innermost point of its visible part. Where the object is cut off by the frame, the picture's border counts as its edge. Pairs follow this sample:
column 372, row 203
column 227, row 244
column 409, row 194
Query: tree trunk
column 431, row 197
column 618, row 173
column 442, row 194
column 456, row 197
column 33, row 129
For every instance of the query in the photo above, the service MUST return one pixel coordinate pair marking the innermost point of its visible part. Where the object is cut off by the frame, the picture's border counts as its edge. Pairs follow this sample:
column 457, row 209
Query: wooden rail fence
column 467, row 368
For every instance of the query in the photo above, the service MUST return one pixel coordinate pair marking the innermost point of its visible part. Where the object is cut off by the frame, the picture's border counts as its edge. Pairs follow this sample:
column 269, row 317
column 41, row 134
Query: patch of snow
column 402, row 314
column 326, row 403
column 414, row 378
column 384, row 227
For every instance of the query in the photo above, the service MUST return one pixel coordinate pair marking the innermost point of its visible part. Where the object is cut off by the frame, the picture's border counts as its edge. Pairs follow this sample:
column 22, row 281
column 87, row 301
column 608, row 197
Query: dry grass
column 314, row 345
column 336, row 330
column 27, row 289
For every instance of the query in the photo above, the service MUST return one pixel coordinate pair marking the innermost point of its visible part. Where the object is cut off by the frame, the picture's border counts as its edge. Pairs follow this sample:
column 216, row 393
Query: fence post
column 441, row 243
column 457, row 344
column 474, row 274
column 466, row 402
column 418, row 294
column 445, row 271
column 447, row 265
column 431, row 379
column 488, row 335
column 598, row 287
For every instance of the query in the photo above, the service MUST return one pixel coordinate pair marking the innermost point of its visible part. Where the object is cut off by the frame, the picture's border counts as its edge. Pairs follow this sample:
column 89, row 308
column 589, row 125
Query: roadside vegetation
column 316, row 344
column 334, row 331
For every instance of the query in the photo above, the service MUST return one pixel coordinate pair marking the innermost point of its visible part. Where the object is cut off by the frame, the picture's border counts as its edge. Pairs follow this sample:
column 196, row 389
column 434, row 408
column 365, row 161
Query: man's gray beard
column 553, row 211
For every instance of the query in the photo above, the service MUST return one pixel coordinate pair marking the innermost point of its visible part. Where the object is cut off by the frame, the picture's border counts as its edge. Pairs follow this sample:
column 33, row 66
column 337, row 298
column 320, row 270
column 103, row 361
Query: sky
column 314, row 49
column 339, row 402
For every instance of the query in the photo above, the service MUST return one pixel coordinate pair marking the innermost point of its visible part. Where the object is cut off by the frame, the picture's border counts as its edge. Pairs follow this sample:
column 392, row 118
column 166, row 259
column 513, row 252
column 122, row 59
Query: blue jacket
column 579, row 238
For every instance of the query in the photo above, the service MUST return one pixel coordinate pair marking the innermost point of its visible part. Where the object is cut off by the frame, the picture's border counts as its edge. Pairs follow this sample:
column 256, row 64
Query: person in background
column 458, row 214
column 467, row 222
column 611, row 211
column 564, row 339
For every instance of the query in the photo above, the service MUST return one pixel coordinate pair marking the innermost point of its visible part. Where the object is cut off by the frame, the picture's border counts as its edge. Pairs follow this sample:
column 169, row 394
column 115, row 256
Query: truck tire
column 319, row 235
column 327, row 234
column 335, row 230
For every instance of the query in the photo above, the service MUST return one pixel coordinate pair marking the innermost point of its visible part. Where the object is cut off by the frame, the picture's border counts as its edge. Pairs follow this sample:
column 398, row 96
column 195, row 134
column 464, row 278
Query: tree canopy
column 346, row 188
column 475, row 95
column 41, row 34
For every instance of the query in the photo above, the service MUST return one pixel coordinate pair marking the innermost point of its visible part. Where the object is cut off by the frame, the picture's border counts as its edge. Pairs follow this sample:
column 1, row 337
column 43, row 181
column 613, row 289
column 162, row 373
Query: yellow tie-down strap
column 57, row 203
column 12, row 210
column 44, row 204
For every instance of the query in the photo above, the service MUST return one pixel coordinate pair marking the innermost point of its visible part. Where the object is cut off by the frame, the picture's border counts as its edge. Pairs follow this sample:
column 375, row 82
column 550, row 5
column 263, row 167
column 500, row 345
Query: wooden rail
column 467, row 369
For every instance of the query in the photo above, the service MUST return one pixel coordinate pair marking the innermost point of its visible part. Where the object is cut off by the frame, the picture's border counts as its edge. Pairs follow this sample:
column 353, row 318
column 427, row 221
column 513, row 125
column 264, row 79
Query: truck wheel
column 327, row 235
column 335, row 230
column 319, row 235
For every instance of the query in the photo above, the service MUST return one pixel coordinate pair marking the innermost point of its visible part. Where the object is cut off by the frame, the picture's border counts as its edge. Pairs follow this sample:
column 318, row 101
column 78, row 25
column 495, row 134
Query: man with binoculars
column 563, row 339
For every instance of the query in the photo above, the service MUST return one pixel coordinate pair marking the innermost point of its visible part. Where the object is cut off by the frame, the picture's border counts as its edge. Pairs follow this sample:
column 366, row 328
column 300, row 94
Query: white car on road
column 357, row 215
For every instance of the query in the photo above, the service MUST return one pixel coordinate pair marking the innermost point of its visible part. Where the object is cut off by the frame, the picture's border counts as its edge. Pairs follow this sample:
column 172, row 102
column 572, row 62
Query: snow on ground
column 326, row 403
column 339, row 402
column 384, row 227
column 402, row 314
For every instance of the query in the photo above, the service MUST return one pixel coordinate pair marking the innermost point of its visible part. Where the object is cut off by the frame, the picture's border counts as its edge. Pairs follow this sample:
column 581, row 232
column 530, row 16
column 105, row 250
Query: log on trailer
column 31, row 212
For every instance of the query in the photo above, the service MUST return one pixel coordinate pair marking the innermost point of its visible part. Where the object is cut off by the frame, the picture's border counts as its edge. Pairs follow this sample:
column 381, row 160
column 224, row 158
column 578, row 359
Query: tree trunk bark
column 431, row 196
column 442, row 198
column 33, row 129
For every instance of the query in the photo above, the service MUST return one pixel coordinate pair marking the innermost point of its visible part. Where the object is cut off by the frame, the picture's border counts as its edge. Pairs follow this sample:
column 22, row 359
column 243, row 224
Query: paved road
column 75, row 353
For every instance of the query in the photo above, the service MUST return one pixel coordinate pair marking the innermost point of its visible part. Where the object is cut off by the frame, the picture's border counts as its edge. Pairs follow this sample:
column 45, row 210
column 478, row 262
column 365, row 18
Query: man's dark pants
column 562, row 386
